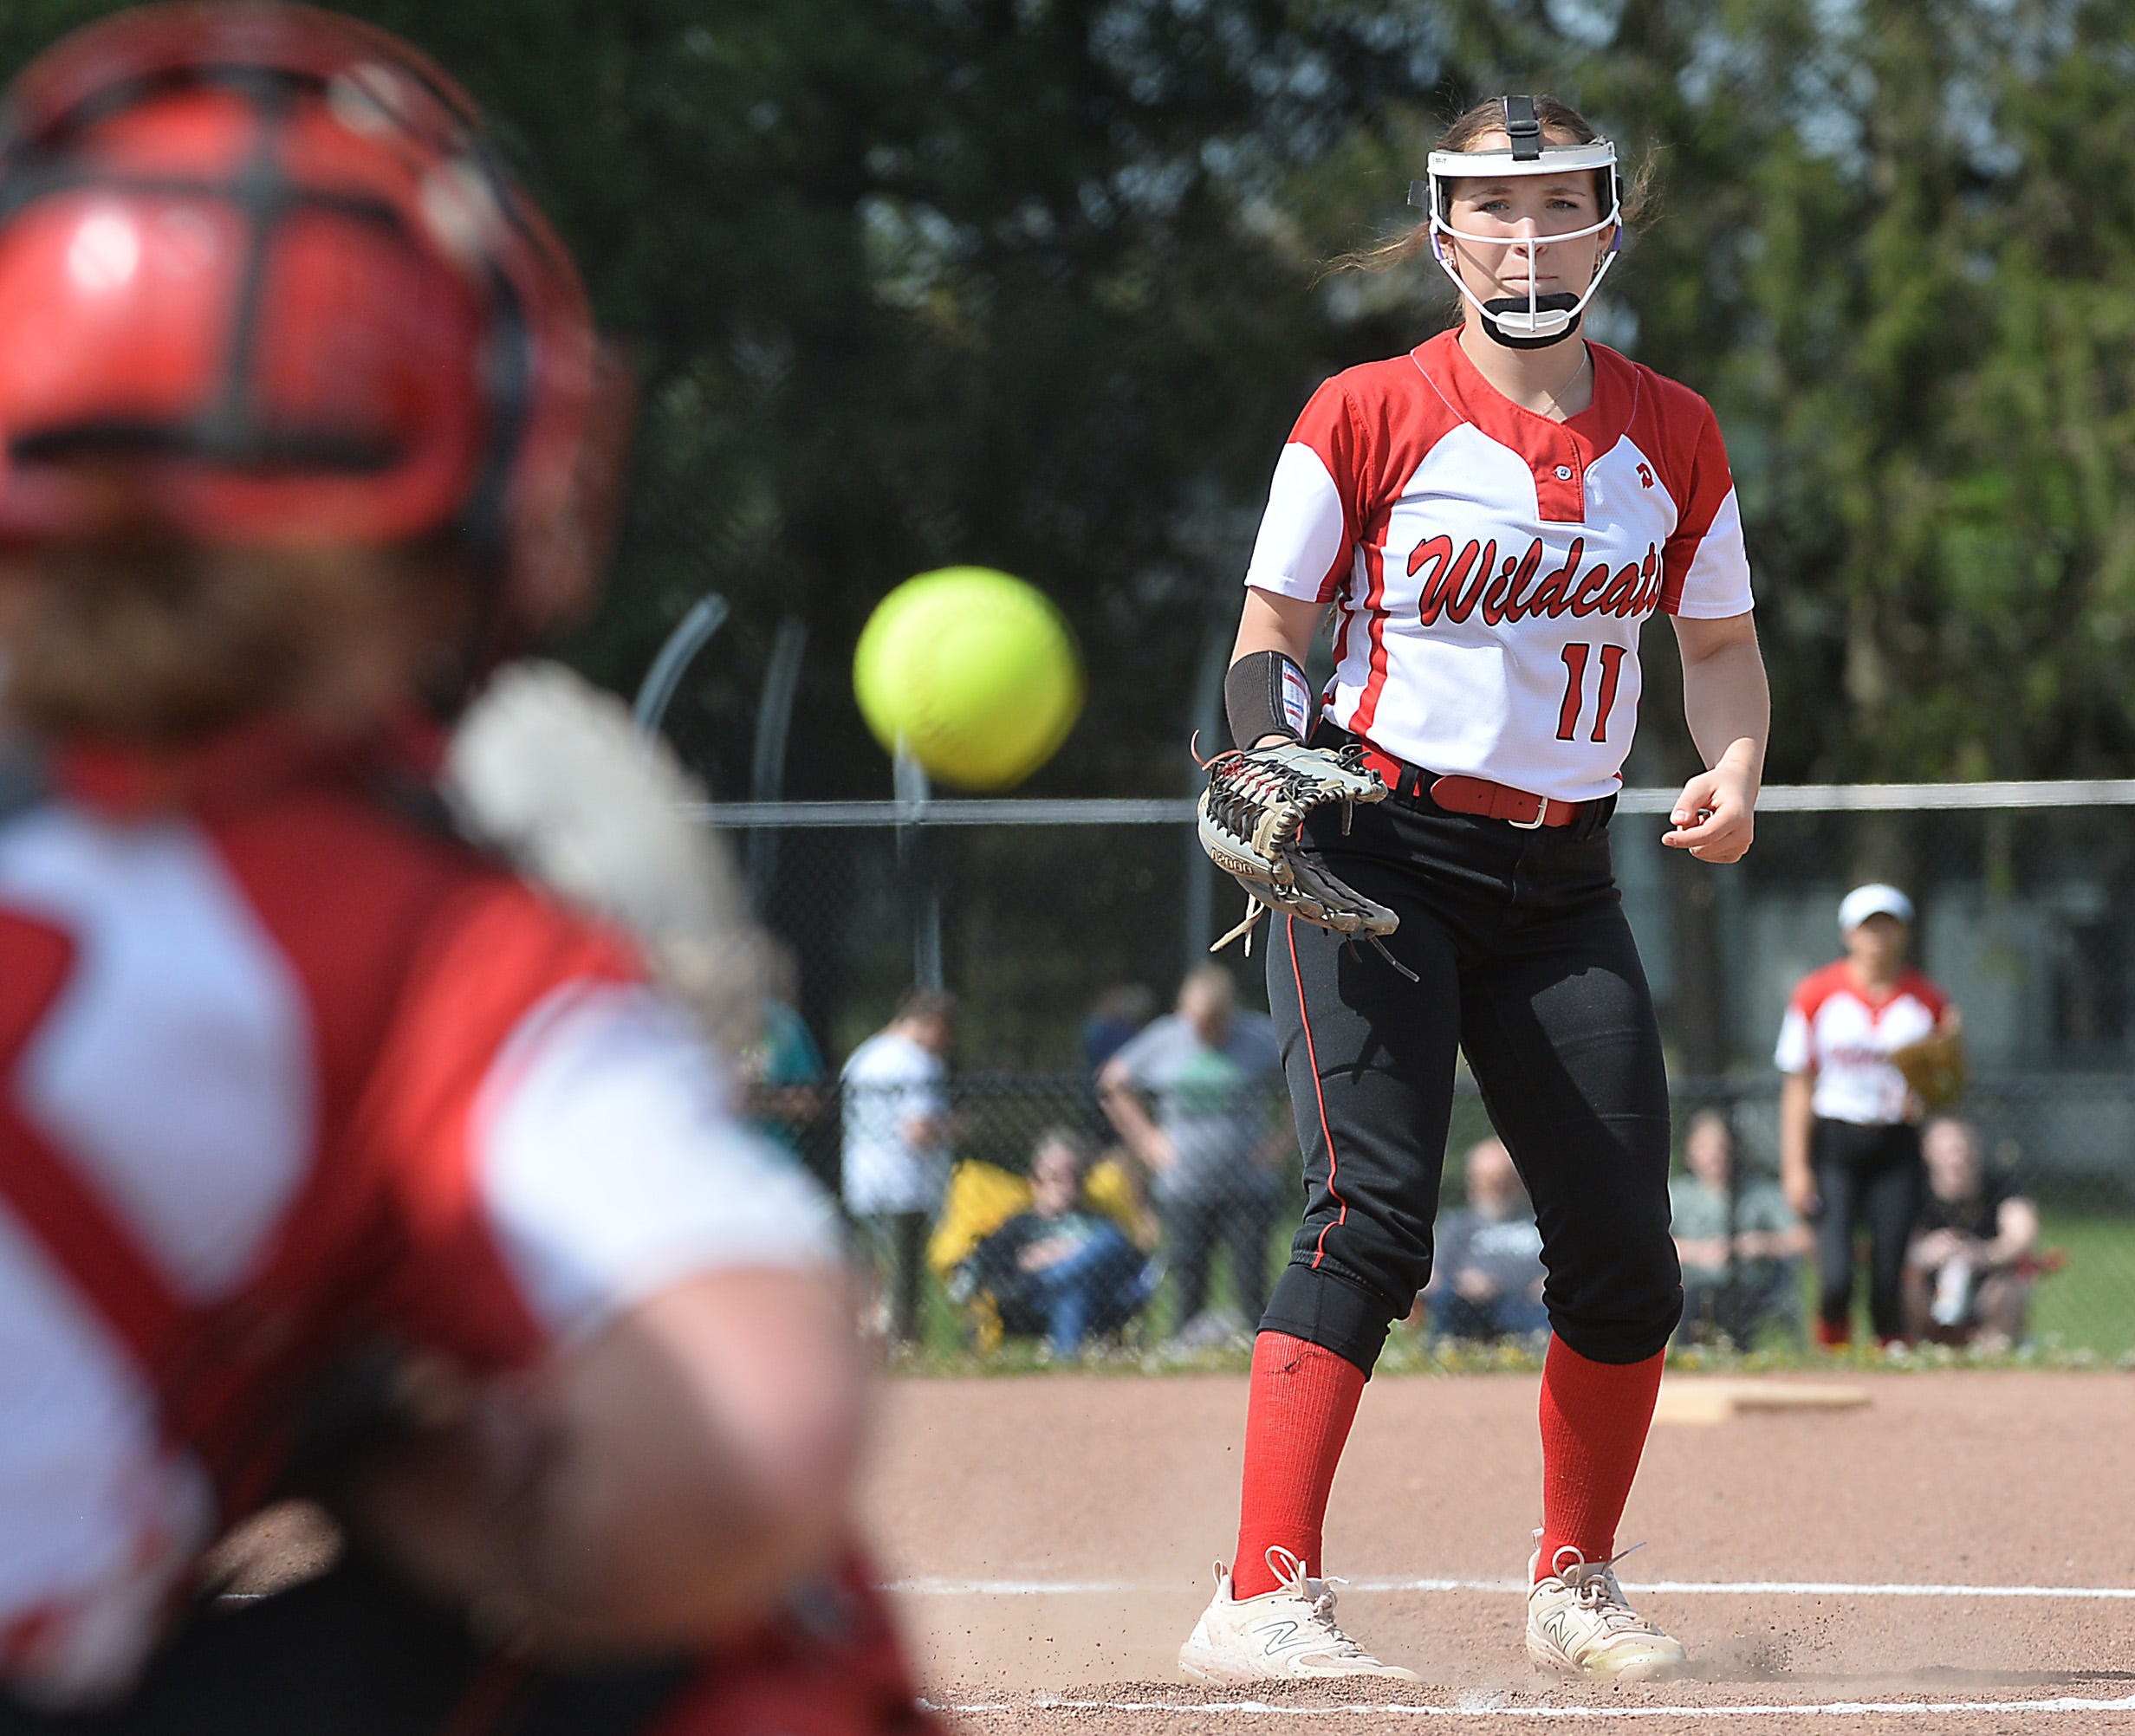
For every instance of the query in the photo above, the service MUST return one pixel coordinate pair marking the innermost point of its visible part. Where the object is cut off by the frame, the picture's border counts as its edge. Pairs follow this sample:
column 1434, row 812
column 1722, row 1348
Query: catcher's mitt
column 1934, row 1066
column 1250, row 818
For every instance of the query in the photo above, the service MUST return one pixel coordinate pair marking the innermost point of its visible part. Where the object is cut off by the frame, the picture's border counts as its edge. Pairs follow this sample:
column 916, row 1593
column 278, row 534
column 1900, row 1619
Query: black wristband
column 1265, row 694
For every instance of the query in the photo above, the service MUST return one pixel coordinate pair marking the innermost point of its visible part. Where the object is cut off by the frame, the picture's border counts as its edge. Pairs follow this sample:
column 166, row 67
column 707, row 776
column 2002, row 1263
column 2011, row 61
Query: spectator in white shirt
column 897, row 1140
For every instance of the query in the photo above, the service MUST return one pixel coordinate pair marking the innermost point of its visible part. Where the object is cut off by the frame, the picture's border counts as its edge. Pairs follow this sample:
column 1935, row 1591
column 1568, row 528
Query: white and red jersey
column 277, row 1070
column 1836, row 1030
column 1492, row 567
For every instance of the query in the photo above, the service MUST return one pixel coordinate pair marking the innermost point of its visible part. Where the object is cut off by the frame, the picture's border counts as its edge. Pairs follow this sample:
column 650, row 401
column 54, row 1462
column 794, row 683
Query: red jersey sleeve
column 1704, row 566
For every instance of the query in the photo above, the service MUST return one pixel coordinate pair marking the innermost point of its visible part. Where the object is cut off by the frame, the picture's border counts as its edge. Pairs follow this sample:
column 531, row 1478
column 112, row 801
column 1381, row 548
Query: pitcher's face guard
column 1539, row 318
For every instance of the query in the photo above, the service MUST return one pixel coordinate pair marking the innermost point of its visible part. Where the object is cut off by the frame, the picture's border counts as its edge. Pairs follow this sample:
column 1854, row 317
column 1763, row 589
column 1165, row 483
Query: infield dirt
column 1052, row 1539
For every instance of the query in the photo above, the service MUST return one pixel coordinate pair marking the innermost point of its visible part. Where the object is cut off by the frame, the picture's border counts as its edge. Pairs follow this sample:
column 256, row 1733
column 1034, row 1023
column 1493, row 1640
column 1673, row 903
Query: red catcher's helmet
column 263, row 281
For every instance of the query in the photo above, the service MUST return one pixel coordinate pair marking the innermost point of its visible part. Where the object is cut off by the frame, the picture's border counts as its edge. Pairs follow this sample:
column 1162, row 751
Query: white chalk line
column 1020, row 1588
column 1688, row 1588
column 1815, row 1588
column 1481, row 1708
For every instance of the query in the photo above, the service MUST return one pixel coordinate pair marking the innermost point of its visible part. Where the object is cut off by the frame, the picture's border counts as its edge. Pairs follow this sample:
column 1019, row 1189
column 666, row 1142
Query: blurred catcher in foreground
column 335, row 1153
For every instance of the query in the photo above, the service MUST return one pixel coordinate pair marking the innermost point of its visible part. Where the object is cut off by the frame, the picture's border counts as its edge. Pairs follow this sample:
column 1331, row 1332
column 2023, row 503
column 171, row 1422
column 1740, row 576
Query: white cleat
column 1578, row 1624
column 1286, row 1635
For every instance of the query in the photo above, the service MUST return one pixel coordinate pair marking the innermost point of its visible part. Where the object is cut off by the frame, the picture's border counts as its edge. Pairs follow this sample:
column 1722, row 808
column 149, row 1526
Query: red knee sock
column 1594, row 1418
column 1297, row 1415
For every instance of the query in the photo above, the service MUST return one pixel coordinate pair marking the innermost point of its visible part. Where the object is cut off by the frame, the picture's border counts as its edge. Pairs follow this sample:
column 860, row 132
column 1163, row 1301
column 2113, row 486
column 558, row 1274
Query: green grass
column 1406, row 1353
column 2081, row 1317
column 2090, row 1305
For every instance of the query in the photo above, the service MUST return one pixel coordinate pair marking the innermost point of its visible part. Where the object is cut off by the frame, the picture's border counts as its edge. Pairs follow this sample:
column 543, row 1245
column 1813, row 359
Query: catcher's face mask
column 1540, row 317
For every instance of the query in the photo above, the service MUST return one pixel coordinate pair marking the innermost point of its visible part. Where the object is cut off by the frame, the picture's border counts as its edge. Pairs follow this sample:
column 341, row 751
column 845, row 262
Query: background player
column 1493, row 517
column 1849, row 1133
column 303, row 1098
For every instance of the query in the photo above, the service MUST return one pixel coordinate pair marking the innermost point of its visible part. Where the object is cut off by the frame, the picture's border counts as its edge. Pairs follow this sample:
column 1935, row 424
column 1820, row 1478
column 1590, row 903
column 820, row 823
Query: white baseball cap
column 1875, row 899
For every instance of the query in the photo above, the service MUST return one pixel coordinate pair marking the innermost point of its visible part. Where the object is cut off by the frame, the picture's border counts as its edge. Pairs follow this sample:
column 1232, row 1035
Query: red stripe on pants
column 1319, row 1095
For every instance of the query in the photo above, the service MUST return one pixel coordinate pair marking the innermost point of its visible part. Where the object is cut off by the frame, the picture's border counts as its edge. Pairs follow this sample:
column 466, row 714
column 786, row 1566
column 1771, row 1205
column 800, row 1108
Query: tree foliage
column 1040, row 283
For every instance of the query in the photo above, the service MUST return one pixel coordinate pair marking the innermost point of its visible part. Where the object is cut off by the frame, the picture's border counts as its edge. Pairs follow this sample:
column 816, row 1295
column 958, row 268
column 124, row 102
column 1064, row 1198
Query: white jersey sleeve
column 1795, row 1054
column 1303, row 549
column 1304, row 534
column 611, row 1167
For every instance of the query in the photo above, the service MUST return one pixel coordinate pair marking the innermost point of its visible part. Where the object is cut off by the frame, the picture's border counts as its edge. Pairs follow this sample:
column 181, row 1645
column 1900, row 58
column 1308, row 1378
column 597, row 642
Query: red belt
column 1461, row 795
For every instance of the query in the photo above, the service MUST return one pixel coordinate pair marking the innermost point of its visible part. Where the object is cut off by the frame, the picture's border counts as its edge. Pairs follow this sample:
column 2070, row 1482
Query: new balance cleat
column 1578, row 1624
column 1286, row 1635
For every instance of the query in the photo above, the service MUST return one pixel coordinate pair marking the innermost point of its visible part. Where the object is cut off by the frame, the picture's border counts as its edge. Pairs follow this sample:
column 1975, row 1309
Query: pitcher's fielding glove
column 1251, row 815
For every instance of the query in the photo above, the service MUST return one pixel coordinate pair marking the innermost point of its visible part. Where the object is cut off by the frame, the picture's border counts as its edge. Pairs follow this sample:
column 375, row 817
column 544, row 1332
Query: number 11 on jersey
column 1576, row 656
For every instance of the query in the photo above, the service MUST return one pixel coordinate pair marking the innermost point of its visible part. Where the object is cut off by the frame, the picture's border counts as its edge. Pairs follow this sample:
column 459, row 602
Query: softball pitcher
column 1493, row 517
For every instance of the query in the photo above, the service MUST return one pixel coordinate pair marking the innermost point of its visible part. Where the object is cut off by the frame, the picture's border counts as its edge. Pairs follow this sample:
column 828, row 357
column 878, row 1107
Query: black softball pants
column 1525, row 964
column 1872, row 1176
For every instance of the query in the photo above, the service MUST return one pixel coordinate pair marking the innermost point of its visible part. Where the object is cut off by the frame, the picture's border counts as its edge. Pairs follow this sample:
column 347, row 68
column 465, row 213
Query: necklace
column 1585, row 360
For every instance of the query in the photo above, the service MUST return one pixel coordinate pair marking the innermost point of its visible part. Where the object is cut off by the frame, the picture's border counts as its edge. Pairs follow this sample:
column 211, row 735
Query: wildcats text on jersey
column 1460, row 585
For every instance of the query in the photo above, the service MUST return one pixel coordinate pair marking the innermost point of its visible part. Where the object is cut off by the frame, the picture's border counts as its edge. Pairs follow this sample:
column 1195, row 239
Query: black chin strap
column 1556, row 301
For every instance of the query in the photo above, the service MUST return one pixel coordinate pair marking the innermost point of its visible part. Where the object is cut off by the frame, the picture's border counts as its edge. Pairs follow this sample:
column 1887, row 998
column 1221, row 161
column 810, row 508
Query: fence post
column 1207, row 722
column 915, row 864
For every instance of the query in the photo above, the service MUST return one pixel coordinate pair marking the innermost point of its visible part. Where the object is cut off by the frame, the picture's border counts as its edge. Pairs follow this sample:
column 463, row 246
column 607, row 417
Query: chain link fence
column 1061, row 928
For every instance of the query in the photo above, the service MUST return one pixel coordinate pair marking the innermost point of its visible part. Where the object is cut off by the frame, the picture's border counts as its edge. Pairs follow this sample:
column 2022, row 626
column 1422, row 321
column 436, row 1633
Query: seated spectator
column 1061, row 1270
column 1486, row 1278
column 1732, row 1301
column 1972, row 1262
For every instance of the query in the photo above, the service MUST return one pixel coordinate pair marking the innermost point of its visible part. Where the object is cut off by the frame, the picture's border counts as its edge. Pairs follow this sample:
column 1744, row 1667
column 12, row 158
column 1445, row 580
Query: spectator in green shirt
column 782, row 1074
column 1769, row 1240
